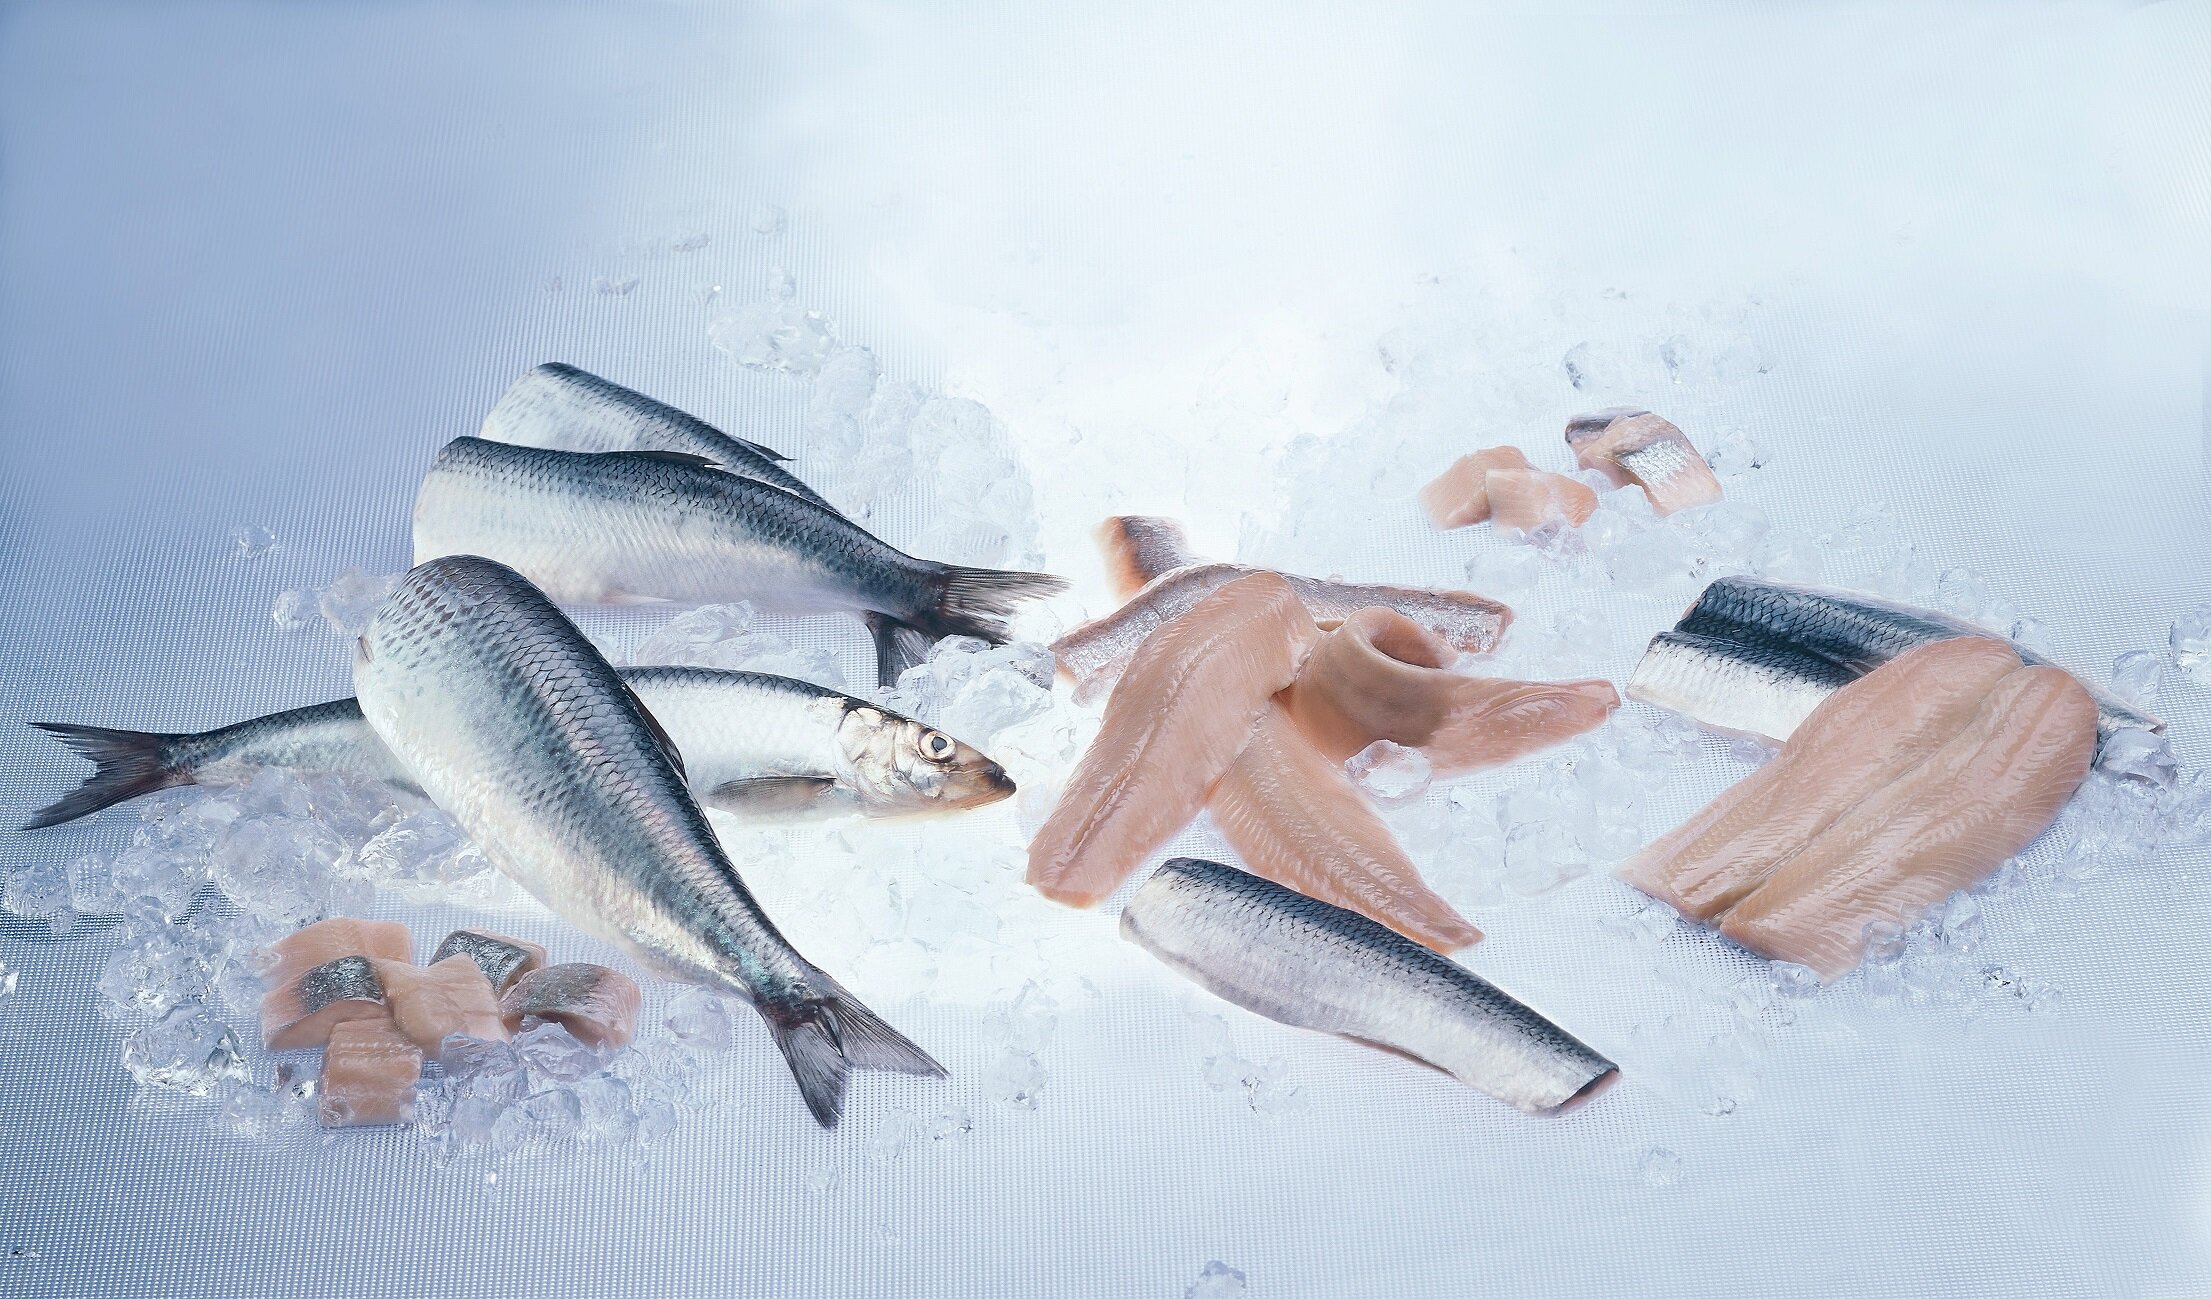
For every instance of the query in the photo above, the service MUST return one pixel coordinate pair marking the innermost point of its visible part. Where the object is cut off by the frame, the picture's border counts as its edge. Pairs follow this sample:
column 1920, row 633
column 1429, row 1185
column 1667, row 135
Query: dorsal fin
column 671, row 458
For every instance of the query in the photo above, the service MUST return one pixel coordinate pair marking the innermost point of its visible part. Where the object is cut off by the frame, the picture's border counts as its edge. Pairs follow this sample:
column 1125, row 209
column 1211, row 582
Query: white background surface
column 258, row 261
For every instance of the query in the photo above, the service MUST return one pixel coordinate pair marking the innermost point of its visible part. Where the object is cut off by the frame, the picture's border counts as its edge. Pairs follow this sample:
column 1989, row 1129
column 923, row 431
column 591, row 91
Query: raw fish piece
column 1139, row 547
column 1095, row 654
column 1460, row 495
column 302, row 1013
column 1174, row 724
column 293, row 955
column 1853, row 633
column 369, row 1072
column 1295, row 817
column 502, row 959
column 1381, row 676
column 1634, row 446
column 1527, row 499
column 597, row 1006
column 1756, row 688
column 1860, row 739
column 431, row 1003
column 1300, row 961
column 1940, row 827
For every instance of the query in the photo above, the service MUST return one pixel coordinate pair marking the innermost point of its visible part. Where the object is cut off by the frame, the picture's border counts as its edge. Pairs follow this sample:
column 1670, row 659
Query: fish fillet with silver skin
column 512, row 722
column 1755, row 657
column 752, row 744
column 624, row 527
column 1302, row 962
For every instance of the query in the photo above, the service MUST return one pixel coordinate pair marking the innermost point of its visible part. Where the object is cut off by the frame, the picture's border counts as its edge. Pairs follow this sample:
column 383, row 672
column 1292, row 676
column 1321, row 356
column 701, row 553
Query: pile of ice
column 345, row 606
column 725, row 636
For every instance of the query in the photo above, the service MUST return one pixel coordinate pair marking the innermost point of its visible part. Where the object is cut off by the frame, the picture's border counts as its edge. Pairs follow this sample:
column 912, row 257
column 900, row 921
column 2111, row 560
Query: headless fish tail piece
column 833, row 1035
column 126, row 764
column 1139, row 547
column 977, row 601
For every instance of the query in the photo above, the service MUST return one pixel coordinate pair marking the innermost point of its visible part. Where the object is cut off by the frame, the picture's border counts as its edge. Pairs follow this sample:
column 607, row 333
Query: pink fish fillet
column 1460, row 495
column 1381, row 676
column 368, row 1075
column 597, row 1006
column 1856, row 741
column 1940, row 827
column 431, row 1003
column 1529, row 498
column 1139, row 547
column 1174, row 724
column 293, row 955
column 1294, row 817
column 1630, row 445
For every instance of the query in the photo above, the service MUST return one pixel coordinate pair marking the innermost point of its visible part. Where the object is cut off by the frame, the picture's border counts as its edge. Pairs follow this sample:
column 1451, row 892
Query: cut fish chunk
column 1139, row 547
column 597, row 1006
column 1381, row 676
column 369, row 1074
column 1628, row 445
column 1174, row 724
column 293, row 955
column 1858, row 740
column 431, row 1003
column 502, row 959
column 1460, row 495
column 1942, row 826
column 1294, row 817
column 1095, row 654
column 1529, row 498
column 302, row 1013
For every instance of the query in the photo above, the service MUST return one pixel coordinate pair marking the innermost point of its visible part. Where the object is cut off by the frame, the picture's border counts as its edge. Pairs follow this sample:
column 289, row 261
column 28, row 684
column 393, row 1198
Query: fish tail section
column 869, row 1043
column 898, row 646
column 977, row 601
column 832, row 1034
column 126, row 764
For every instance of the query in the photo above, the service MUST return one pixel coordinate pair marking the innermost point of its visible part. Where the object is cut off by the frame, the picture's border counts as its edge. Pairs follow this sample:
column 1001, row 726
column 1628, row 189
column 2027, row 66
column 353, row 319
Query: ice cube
column 2031, row 634
column 544, row 1119
column 41, row 893
column 1793, row 981
column 1216, row 1280
column 553, row 1055
column 606, row 1109
column 250, row 542
column 614, row 286
column 777, row 336
column 353, row 597
column 1961, row 591
column 9, row 976
column 2137, row 675
column 845, row 384
column 1390, row 772
column 688, row 636
column 768, row 219
column 1733, row 454
column 293, row 610
column 252, row 1113
column 161, row 968
column 484, row 1069
column 424, row 852
column 990, row 703
column 187, row 1050
column 688, row 241
column 1788, row 557
column 1959, row 927
column 1017, row 1079
column 700, row 1019
column 1540, row 856
column 2139, row 755
column 2190, row 640
column 1658, row 1166
column 1750, row 750
column 278, row 868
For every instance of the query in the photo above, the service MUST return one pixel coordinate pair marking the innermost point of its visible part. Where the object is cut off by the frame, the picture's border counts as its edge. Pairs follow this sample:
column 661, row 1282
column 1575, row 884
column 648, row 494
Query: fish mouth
column 979, row 785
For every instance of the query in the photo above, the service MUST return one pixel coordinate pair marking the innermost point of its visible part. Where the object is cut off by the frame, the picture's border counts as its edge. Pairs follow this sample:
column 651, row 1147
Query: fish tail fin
column 833, row 1034
column 125, row 765
column 977, row 601
column 898, row 646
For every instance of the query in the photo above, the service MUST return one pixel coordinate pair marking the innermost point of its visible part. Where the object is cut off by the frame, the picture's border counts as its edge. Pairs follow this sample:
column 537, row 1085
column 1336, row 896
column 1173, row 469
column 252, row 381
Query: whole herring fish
column 512, row 722
column 628, row 526
column 561, row 408
column 1756, row 656
column 752, row 744
column 1302, row 962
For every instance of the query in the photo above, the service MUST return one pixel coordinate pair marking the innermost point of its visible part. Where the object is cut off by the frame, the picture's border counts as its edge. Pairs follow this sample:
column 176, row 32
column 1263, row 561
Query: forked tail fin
column 125, row 765
column 833, row 1034
column 898, row 646
column 977, row 601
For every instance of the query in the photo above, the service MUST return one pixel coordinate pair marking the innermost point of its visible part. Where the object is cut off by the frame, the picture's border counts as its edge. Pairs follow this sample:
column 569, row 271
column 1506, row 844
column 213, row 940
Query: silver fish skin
column 752, row 744
column 513, row 724
column 1306, row 963
column 1095, row 653
column 621, row 527
column 562, row 408
column 1757, row 689
column 1854, row 632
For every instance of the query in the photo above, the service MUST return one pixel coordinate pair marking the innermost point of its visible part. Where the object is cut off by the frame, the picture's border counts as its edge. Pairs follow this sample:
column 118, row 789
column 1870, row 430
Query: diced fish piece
column 1139, row 547
column 303, row 1012
column 597, row 1006
column 1174, row 724
column 1527, row 499
column 1381, row 676
column 1634, row 446
column 293, row 955
column 1851, row 632
column 1095, row 654
column 1861, row 738
column 1303, row 962
column 1460, row 495
column 369, row 1072
column 502, row 959
column 1294, row 817
column 431, row 1003
column 1940, row 827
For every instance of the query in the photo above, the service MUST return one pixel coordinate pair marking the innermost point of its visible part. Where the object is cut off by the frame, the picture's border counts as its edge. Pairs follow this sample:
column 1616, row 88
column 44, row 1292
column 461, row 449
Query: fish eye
column 936, row 744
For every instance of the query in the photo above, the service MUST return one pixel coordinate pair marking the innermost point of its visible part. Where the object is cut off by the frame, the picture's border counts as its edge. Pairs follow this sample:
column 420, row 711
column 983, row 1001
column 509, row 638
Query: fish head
column 899, row 765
